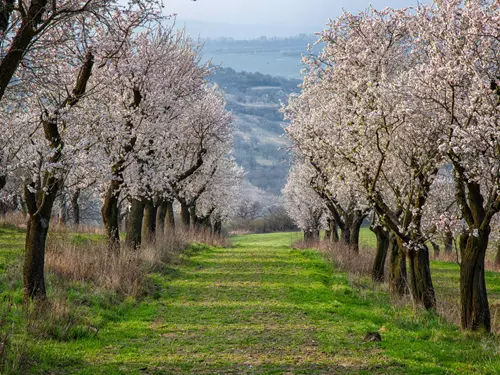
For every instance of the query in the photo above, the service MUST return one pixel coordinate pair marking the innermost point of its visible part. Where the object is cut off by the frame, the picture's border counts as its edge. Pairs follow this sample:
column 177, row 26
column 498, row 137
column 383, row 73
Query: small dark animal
column 372, row 337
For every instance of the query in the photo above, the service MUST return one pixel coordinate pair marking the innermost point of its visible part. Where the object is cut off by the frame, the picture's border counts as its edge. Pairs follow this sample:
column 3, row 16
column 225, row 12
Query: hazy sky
column 282, row 12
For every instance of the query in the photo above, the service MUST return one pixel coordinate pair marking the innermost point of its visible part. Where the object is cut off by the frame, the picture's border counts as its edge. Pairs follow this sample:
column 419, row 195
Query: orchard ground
column 258, row 307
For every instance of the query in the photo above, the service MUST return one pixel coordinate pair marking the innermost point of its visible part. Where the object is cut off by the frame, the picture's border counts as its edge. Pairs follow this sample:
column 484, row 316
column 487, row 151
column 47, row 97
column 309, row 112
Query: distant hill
column 260, row 148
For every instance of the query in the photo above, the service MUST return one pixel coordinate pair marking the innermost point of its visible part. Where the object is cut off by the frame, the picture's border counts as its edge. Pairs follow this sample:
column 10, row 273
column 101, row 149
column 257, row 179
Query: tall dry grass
column 90, row 261
column 359, row 267
column 343, row 258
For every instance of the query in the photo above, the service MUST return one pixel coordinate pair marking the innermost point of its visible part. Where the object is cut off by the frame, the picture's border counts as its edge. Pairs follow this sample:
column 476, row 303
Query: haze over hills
column 242, row 31
column 257, row 76
column 260, row 148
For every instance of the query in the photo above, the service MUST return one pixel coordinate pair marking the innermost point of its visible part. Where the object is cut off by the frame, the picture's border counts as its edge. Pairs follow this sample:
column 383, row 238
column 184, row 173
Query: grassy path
column 263, row 308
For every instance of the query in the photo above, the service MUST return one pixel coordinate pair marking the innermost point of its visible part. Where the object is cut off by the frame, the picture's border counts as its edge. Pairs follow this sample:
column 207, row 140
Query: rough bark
column 381, row 254
column 436, row 249
column 75, row 206
column 63, row 209
column 185, row 215
column 475, row 311
column 161, row 214
column 421, row 286
column 149, row 222
column 134, row 223
column 218, row 227
column 448, row 242
column 193, row 219
column 40, row 202
column 355, row 227
column 110, row 213
column 21, row 42
column 397, row 271
column 3, row 181
column 334, row 230
column 169, row 219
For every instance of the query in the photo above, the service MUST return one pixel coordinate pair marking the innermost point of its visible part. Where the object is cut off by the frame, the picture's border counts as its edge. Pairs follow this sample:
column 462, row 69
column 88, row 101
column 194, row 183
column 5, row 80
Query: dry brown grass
column 124, row 273
column 343, row 257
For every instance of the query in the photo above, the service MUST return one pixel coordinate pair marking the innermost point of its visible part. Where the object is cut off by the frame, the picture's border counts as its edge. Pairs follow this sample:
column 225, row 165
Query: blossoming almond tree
column 51, row 90
column 458, row 79
column 142, row 93
column 302, row 202
column 355, row 120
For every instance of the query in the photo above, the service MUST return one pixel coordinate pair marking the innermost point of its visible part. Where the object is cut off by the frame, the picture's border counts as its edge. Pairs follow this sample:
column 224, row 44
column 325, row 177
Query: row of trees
column 399, row 118
column 103, row 99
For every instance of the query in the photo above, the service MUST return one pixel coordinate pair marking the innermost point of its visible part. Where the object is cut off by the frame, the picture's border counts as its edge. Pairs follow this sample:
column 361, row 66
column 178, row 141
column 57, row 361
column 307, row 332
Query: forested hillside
column 255, row 100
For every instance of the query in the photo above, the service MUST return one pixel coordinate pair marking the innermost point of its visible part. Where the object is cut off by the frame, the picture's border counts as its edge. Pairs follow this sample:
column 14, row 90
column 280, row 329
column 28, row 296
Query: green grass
column 261, row 308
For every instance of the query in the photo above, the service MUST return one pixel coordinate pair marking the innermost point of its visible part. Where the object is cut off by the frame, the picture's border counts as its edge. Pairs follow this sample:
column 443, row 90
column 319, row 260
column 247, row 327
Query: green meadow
column 258, row 307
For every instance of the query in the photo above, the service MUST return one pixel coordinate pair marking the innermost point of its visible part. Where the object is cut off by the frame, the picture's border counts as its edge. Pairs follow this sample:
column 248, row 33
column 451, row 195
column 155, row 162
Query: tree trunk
column 328, row 235
column 110, row 216
column 435, row 247
column 315, row 235
column 10, row 61
column 34, row 257
column 161, row 214
column 448, row 242
column 185, row 215
column 421, row 286
column 345, row 235
column 218, row 227
column 76, row 207
column 149, row 222
column 334, row 230
column 381, row 254
column 41, row 203
column 63, row 209
column 169, row 219
column 475, row 313
column 134, row 223
column 193, row 218
column 397, row 271
column 354, row 233
column 3, row 181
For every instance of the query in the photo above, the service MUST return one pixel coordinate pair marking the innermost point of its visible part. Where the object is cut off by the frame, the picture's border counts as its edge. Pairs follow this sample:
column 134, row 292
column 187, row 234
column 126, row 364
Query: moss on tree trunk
column 397, row 270
column 475, row 311
column 381, row 254
column 421, row 286
column 34, row 257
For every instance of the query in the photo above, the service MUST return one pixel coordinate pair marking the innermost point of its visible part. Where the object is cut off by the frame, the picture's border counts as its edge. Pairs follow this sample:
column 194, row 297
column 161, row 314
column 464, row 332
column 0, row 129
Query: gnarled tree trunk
column 381, row 254
column 185, row 215
column 40, row 203
column 169, row 219
column 218, row 227
column 110, row 213
column 134, row 223
column 161, row 214
column 354, row 232
column 421, row 286
column 475, row 312
column 448, row 242
column 193, row 218
column 397, row 271
column 149, row 222
column 435, row 246
column 75, row 206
